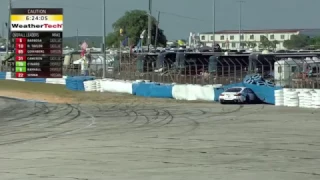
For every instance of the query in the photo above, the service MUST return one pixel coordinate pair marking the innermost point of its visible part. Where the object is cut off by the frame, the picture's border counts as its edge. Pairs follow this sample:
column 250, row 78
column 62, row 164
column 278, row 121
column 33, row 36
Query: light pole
column 103, row 49
column 77, row 40
column 157, row 30
column 149, row 24
column 8, row 27
column 2, row 30
column 213, row 24
column 240, row 22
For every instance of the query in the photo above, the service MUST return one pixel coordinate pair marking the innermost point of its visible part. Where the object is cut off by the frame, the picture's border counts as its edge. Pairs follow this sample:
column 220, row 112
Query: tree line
column 131, row 25
column 129, row 28
column 302, row 42
column 264, row 43
column 295, row 42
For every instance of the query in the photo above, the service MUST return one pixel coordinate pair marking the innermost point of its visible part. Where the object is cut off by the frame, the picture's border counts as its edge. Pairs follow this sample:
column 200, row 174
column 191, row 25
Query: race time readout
column 37, row 36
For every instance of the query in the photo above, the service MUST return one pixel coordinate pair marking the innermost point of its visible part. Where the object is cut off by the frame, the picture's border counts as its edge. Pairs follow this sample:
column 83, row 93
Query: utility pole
column 213, row 24
column 8, row 27
column 240, row 22
column 149, row 24
column 2, row 30
column 157, row 30
column 103, row 48
column 77, row 40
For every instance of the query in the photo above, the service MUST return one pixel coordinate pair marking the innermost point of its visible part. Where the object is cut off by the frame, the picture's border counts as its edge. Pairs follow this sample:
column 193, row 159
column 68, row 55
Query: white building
column 229, row 39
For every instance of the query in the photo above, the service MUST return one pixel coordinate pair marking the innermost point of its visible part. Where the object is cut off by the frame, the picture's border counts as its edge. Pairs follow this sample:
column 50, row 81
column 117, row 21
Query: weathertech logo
column 36, row 26
column 45, row 26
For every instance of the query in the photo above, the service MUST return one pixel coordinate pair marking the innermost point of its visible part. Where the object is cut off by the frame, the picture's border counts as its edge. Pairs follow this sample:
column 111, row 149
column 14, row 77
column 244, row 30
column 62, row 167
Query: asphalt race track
column 157, row 142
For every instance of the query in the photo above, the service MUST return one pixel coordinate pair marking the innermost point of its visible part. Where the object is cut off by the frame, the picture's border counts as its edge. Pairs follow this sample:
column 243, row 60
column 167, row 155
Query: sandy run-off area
column 35, row 96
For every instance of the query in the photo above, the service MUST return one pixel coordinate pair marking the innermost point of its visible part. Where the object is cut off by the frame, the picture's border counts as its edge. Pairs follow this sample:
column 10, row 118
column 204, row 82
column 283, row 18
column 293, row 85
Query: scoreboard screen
column 37, row 35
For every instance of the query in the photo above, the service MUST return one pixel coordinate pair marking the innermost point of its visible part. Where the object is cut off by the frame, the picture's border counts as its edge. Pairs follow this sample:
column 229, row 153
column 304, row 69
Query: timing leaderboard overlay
column 37, row 40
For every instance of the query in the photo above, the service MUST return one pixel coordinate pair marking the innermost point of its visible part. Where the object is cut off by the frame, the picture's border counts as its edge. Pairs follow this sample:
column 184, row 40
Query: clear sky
column 181, row 16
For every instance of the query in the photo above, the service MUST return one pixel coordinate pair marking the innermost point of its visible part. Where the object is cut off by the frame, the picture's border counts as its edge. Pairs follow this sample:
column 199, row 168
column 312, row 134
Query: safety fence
column 189, row 92
column 300, row 70
column 169, row 70
column 303, row 98
column 145, row 88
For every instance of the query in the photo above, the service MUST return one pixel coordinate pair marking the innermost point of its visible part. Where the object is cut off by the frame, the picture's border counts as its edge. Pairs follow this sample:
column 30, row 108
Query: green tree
column 113, row 39
column 297, row 42
column 264, row 42
column 243, row 44
column 2, row 40
column 315, row 42
column 133, row 23
column 251, row 44
column 273, row 44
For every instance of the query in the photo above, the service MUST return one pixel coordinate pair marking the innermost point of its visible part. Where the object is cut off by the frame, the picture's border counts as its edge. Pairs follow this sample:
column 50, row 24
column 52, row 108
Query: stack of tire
column 256, row 79
column 2, row 75
column 76, row 83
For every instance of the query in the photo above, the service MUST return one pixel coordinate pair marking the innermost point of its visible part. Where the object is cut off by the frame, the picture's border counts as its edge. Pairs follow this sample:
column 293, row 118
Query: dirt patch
column 35, row 96
column 59, row 94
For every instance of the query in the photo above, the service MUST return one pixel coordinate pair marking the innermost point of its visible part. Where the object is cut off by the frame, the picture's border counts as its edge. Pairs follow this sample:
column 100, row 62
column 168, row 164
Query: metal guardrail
column 299, row 70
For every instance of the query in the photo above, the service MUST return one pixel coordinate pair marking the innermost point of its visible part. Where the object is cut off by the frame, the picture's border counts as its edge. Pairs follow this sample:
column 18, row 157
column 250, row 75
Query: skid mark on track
column 148, row 118
column 161, row 138
column 66, row 118
column 140, row 118
column 25, row 113
column 46, row 111
column 92, row 121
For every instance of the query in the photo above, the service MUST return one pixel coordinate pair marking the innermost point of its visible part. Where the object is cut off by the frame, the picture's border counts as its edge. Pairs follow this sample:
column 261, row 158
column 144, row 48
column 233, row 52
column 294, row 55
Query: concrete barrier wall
column 189, row 92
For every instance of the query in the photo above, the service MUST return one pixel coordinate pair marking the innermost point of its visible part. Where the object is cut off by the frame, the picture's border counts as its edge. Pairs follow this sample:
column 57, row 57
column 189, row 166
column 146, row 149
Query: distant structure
column 194, row 40
column 229, row 39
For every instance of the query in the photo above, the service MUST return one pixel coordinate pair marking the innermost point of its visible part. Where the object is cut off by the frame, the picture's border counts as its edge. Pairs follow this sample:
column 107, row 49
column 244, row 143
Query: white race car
column 237, row 95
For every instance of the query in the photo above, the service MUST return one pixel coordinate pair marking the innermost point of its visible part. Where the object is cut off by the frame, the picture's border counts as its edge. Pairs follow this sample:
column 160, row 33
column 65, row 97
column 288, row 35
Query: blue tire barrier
column 268, row 83
column 254, row 82
column 261, row 83
column 256, row 77
column 71, row 84
column 3, row 75
column 217, row 92
column 152, row 90
column 248, row 77
column 137, row 86
column 76, row 83
column 248, row 81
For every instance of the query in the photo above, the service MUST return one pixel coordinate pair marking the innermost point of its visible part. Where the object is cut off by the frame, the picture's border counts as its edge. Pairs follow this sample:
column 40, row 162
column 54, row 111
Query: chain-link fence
column 298, row 72
column 289, row 70
column 186, row 68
